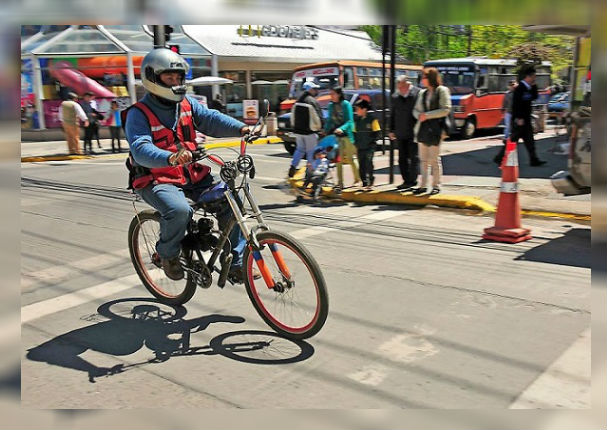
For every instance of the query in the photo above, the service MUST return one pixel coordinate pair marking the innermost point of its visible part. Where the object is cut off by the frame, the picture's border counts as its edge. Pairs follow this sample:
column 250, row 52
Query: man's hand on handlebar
column 182, row 157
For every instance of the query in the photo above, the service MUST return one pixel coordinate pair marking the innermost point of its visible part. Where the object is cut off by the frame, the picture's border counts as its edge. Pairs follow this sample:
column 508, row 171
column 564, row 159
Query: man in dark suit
column 524, row 94
column 401, row 130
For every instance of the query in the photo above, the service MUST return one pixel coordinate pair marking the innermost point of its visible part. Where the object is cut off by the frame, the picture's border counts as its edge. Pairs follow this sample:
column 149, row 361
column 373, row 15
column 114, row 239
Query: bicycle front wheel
column 144, row 232
column 291, row 296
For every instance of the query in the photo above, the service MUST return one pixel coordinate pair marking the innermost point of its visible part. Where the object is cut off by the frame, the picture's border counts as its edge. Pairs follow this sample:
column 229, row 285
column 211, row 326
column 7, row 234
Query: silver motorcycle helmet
column 163, row 60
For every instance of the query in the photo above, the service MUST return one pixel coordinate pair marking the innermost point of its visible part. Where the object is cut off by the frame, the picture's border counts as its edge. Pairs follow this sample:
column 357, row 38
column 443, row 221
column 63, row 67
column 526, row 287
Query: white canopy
column 209, row 80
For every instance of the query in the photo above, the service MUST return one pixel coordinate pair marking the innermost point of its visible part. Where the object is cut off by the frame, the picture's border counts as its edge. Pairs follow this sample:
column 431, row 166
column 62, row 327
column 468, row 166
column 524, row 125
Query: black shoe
column 237, row 274
column 337, row 189
column 402, row 186
column 419, row 191
column 497, row 160
column 172, row 268
column 292, row 171
column 537, row 162
column 435, row 191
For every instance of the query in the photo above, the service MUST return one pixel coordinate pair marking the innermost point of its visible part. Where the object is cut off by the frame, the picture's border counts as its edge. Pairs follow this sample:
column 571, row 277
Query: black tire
column 142, row 247
column 469, row 128
column 307, row 280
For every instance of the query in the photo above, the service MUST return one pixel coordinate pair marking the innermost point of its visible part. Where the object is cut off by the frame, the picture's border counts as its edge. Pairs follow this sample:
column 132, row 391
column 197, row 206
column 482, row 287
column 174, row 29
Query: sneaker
column 292, row 170
column 497, row 160
column 419, row 191
column 402, row 186
column 537, row 162
column 435, row 191
column 172, row 268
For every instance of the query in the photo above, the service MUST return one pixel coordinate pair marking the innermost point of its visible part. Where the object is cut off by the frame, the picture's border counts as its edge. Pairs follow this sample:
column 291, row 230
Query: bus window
column 348, row 78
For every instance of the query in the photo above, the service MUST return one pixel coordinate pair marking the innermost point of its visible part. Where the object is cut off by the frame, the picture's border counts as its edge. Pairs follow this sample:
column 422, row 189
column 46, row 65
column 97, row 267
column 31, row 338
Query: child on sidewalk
column 317, row 172
column 366, row 133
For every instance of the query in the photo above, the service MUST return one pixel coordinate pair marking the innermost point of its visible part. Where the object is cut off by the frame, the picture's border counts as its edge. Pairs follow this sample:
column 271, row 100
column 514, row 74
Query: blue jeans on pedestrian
column 175, row 214
column 306, row 143
column 507, row 124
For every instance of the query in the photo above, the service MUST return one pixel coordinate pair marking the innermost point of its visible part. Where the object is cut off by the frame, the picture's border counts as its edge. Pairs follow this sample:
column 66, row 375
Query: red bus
column 478, row 85
column 350, row 75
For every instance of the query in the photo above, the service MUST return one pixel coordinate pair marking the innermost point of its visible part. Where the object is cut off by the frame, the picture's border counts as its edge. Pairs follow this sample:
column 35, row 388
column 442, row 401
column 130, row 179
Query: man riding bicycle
column 161, row 132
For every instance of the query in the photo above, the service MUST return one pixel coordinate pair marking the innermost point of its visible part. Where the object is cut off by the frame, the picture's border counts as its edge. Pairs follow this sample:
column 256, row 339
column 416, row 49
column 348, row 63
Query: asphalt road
column 424, row 314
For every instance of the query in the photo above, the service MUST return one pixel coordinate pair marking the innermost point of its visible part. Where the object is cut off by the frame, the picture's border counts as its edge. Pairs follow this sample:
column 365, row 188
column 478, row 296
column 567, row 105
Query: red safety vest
column 164, row 138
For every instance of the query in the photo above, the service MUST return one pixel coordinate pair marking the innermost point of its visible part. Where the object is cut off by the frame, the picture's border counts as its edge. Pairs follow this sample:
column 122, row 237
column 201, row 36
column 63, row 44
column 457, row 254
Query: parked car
column 577, row 179
column 285, row 131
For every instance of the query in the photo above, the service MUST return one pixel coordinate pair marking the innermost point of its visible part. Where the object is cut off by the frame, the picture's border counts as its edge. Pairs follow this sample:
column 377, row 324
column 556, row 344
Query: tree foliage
column 419, row 43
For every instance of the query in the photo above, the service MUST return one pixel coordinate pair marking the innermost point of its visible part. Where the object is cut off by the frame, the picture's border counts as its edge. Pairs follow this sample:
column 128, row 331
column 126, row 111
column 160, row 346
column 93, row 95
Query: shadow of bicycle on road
column 136, row 323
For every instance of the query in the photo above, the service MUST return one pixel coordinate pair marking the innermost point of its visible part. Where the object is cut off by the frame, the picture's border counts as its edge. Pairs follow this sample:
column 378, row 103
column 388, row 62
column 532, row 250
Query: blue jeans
column 306, row 143
column 176, row 213
column 507, row 124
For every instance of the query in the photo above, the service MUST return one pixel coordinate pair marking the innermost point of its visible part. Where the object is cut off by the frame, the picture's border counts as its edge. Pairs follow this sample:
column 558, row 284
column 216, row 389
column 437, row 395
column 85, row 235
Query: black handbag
column 430, row 131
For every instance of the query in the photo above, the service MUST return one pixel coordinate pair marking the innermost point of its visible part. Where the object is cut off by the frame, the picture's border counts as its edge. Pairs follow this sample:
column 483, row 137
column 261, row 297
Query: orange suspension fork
column 279, row 260
column 263, row 269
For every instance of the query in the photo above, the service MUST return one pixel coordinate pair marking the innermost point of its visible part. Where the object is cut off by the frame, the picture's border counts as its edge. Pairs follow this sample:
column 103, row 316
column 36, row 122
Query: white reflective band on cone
column 512, row 159
column 509, row 187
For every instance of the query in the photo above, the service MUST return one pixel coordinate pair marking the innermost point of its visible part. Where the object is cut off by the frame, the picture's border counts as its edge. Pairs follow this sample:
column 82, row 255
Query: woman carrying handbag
column 432, row 108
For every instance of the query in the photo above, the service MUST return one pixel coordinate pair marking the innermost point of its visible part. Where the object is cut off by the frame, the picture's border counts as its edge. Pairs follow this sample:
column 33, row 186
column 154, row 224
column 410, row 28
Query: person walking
column 340, row 121
column 69, row 114
column 366, row 133
column 523, row 96
column 115, row 124
column 306, row 120
column 402, row 123
column 507, row 109
column 432, row 107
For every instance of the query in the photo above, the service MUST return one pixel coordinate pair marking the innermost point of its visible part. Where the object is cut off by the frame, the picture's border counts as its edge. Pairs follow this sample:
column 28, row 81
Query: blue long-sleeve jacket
column 139, row 134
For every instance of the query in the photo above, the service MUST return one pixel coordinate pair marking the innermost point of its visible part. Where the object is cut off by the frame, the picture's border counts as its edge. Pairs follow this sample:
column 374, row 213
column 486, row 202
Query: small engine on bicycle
column 200, row 235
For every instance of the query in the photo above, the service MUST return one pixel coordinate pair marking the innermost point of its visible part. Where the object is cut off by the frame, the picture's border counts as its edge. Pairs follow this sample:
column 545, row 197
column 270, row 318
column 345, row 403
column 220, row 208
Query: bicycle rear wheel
column 297, row 303
column 144, row 232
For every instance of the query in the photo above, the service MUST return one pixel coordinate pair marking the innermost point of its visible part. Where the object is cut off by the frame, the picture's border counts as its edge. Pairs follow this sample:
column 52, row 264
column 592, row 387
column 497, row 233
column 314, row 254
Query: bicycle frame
column 240, row 216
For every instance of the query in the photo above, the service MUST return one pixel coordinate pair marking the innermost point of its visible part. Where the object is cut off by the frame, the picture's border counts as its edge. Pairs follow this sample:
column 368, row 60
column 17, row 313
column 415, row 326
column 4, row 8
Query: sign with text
column 322, row 71
column 250, row 109
column 286, row 31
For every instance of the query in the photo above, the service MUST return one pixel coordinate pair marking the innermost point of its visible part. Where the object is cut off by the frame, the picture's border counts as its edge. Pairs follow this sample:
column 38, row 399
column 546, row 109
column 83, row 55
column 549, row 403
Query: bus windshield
column 458, row 77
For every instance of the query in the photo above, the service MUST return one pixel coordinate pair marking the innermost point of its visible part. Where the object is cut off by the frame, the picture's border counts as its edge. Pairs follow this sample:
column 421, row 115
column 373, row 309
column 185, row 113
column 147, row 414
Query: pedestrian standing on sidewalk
column 523, row 96
column 69, row 114
column 306, row 120
column 402, row 122
column 431, row 109
column 340, row 121
column 507, row 110
column 366, row 133
column 89, row 105
column 115, row 125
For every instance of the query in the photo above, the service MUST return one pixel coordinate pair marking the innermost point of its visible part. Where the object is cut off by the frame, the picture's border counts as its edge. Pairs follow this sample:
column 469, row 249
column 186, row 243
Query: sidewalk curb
column 449, row 201
column 227, row 144
column 37, row 159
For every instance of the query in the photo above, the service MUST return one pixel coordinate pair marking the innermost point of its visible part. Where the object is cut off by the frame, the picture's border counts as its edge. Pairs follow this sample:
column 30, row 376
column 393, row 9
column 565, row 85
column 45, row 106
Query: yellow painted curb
column 232, row 143
column 228, row 144
column 54, row 158
column 576, row 217
column 394, row 197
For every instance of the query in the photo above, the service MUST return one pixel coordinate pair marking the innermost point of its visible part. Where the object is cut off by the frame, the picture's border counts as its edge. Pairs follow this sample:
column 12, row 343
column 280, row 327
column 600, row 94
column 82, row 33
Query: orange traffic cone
column 508, row 217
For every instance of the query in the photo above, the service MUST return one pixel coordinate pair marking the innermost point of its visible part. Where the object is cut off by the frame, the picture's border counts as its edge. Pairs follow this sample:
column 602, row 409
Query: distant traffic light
column 174, row 48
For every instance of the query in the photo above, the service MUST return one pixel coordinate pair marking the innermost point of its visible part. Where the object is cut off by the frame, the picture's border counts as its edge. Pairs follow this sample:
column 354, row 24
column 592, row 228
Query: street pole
column 159, row 36
column 130, row 78
column 384, row 43
column 214, row 72
column 392, row 89
column 37, row 75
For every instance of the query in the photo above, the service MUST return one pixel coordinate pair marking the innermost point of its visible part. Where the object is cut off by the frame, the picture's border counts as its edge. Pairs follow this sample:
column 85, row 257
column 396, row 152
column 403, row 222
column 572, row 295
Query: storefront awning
column 271, row 43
